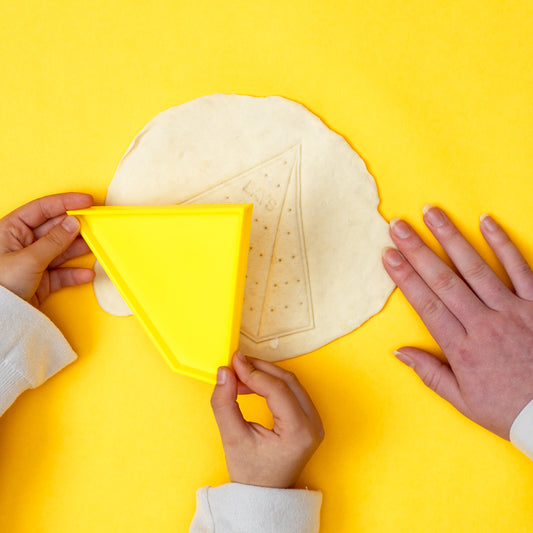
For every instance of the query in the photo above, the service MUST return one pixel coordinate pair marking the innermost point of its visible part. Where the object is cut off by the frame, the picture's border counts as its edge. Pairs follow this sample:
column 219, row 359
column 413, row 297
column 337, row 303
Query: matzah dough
column 314, row 265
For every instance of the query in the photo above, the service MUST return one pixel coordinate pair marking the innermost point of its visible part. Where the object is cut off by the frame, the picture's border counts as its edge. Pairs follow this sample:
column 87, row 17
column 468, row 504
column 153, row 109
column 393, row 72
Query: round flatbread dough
column 107, row 294
column 314, row 265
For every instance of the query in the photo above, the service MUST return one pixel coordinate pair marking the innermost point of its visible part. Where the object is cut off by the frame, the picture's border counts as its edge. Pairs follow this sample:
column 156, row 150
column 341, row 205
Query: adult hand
column 484, row 329
column 256, row 455
column 35, row 240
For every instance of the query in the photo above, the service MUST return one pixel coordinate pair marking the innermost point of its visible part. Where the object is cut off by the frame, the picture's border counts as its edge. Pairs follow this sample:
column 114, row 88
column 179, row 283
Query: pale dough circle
column 314, row 266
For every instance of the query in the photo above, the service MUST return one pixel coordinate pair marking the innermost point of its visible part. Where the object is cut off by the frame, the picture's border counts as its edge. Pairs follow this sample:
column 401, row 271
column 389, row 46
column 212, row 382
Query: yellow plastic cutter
column 181, row 269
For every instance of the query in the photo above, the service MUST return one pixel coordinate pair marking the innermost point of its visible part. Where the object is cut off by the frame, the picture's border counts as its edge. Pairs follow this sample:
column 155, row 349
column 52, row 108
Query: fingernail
column 241, row 357
column 488, row 222
column 433, row 215
column 404, row 358
column 393, row 257
column 71, row 224
column 221, row 376
column 400, row 228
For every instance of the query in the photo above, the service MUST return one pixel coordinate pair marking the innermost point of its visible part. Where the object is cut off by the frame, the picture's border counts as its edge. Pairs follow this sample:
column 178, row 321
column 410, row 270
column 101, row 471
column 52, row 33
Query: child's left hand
column 256, row 455
column 35, row 240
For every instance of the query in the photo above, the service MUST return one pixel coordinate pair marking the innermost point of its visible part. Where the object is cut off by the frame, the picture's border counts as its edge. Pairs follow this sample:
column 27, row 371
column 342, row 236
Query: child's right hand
column 256, row 455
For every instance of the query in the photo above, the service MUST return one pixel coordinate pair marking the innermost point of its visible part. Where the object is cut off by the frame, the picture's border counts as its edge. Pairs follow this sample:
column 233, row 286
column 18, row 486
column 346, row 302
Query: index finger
column 287, row 411
column 292, row 382
column 37, row 212
column 439, row 277
column 481, row 278
column 443, row 325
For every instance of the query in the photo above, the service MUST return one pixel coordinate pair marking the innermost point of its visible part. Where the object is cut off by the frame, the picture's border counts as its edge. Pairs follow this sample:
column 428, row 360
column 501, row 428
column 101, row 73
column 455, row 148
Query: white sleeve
column 521, row 433
column 237, row 508
column 32, row 349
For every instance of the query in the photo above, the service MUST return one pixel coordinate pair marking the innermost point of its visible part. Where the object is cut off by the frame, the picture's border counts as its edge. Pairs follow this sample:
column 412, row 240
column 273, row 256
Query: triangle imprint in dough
column 277, row 294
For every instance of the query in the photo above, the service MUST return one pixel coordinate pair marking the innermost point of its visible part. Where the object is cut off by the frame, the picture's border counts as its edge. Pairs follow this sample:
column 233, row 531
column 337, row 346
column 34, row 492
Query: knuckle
column 55, row 239
column 310, row 435
column 477, row 271
column 495, row 336
column 432, row 377
column 215, row 402
column 494, row 327
column 290, row 377
column 502, row 240
column 280, row 388
column 466, row 357
column 451, row 232
column 407, row 278
column 308, row 438
column 523, row 269
column 416, row 244
column 249, row 375
column 527, row 287
column 21, row 233
column 444, row 281
column 431, row 309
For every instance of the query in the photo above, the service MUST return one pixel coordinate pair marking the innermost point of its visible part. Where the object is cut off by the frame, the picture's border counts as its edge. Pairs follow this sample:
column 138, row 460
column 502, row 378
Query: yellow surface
column 436, row 97
column 181, row 270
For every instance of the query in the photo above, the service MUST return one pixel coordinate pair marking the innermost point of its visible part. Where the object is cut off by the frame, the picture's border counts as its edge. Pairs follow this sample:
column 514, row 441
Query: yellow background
column 434, row 95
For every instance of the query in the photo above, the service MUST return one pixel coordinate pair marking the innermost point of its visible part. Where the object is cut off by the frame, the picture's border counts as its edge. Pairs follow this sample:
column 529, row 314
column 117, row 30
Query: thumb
column 54, row 243
column 435, row 374
column 228, row 416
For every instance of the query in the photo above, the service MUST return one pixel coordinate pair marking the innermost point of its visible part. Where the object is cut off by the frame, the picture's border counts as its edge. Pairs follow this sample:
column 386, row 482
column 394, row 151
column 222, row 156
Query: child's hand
column 256, row 455
column 37, row 238
column 484, row 329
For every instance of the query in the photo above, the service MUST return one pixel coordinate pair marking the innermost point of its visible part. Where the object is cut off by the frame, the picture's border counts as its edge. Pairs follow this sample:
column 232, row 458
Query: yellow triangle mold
column 181, row 269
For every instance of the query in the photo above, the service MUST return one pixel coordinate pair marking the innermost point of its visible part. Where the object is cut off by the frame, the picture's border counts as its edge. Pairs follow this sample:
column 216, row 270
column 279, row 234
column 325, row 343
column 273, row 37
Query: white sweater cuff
column 237, row 508
column 521, row 433
column 32, row 349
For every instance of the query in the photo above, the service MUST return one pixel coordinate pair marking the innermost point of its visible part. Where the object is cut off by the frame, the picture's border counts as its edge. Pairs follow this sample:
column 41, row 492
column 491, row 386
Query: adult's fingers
column 293, row 383
column 287, row 411
column 439, row 277
column 228, row 416
column 440, row 321
column 435, row 374
column 37, row 212
column 78, row 248
column 481, row 278
column 510, row 257
column 53, row 244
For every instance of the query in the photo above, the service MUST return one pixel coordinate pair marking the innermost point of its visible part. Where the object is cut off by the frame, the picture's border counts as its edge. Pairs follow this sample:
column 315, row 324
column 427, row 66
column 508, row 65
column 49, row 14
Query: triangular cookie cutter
column 181, row 269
